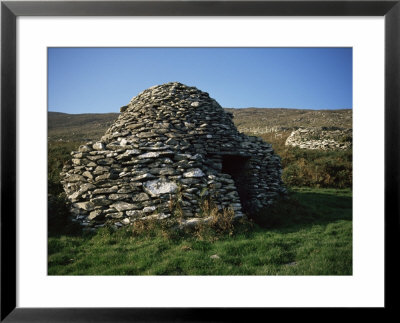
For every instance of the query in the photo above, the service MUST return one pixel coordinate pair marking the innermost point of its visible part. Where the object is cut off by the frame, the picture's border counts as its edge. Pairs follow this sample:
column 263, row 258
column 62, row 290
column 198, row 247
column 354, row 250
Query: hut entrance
column 237, row 167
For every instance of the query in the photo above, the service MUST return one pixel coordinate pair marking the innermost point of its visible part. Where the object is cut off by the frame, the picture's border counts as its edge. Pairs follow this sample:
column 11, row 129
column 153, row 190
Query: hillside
column 76, row 127
column 86, row 126
column 259, row 120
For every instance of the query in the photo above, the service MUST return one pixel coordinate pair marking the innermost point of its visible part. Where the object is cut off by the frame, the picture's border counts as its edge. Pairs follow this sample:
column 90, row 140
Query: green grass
column 308, row 234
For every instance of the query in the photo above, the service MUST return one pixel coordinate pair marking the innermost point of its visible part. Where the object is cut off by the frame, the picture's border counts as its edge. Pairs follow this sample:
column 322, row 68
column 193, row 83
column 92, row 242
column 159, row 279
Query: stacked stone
column 167, row 146
column 321, row 139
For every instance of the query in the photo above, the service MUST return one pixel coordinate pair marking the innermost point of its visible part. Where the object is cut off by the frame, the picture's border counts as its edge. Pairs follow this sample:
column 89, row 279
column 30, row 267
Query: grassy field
column 308, row 234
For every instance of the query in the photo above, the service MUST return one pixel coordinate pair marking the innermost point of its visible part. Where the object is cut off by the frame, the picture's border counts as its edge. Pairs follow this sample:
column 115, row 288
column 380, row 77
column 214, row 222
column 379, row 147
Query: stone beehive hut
column 170, row 141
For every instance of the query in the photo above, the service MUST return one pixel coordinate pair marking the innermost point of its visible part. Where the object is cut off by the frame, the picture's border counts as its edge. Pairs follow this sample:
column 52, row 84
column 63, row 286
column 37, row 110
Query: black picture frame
column 10, row 10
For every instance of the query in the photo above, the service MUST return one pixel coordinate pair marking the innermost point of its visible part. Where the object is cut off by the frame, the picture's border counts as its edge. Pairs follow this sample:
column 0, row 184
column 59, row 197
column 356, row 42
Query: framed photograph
column 45, row 43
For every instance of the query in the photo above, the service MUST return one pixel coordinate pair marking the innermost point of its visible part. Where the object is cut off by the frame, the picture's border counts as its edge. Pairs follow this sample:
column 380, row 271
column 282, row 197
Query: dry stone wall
column 171, row 142
column 320, row 138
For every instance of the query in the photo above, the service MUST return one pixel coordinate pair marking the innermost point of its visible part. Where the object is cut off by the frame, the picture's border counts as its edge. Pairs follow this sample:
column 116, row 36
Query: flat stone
column 118, row 197
column 149, row 209
column 140, row 197
column 130, row 152
column 116, row 215
column 147, row 135
column 124, row 142
column 94, row 214
column 182, row 156
column 101, row 200
column 102, row 177
column 100, row 171
column 88, row 174
column 134, row 213
column 87, row 206
column 123, row 206
column 105, row 161
column 124, row 174
column 158, row 187
column 166, row 153
column 77, row 161
column 143, row 176
column 196, row 172
column 99, row 146
column 151, row 154
column 106, row 190
column 167, row 171
column 125, row 190
column 76, row 178
column 189, row 181
column 86, row 187
column 135, row 126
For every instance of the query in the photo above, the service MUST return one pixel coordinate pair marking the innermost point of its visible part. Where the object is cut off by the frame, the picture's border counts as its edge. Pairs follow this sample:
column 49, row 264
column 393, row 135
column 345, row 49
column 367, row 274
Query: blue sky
column 100, row 80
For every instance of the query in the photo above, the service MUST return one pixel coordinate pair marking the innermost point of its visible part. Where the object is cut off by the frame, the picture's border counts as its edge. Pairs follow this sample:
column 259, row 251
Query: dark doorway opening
column 237, row 167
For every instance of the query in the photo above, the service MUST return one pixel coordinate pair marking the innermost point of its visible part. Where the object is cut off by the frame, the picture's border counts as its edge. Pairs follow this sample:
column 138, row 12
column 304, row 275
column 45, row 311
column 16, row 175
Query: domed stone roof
column 170, row 140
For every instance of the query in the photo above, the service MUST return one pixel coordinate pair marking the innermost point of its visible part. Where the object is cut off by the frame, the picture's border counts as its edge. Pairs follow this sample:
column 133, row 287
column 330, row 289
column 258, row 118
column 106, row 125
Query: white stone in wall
column 151, row 154
column 194, row 173
column 123, row 206
column 158, row 187
column 99, row 146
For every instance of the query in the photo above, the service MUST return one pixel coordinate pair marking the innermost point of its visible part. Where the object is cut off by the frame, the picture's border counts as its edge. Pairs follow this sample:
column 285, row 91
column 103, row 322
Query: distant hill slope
column 258, row 120
column 87, row 126
column 63, row 126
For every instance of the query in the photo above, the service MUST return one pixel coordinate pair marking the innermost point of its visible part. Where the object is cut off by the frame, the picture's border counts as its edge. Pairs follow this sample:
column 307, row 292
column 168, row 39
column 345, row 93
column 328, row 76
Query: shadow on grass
column 59, row 219
column 304, row 208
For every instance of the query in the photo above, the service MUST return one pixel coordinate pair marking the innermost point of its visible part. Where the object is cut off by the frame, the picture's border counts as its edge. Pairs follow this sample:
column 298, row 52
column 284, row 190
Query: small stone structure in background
column 171, row 142
column 321, row 138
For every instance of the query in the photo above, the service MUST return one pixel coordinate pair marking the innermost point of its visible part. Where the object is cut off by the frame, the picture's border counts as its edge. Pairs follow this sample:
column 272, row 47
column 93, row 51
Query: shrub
column 58, row 154
column 59, row 221
column 313, row 168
